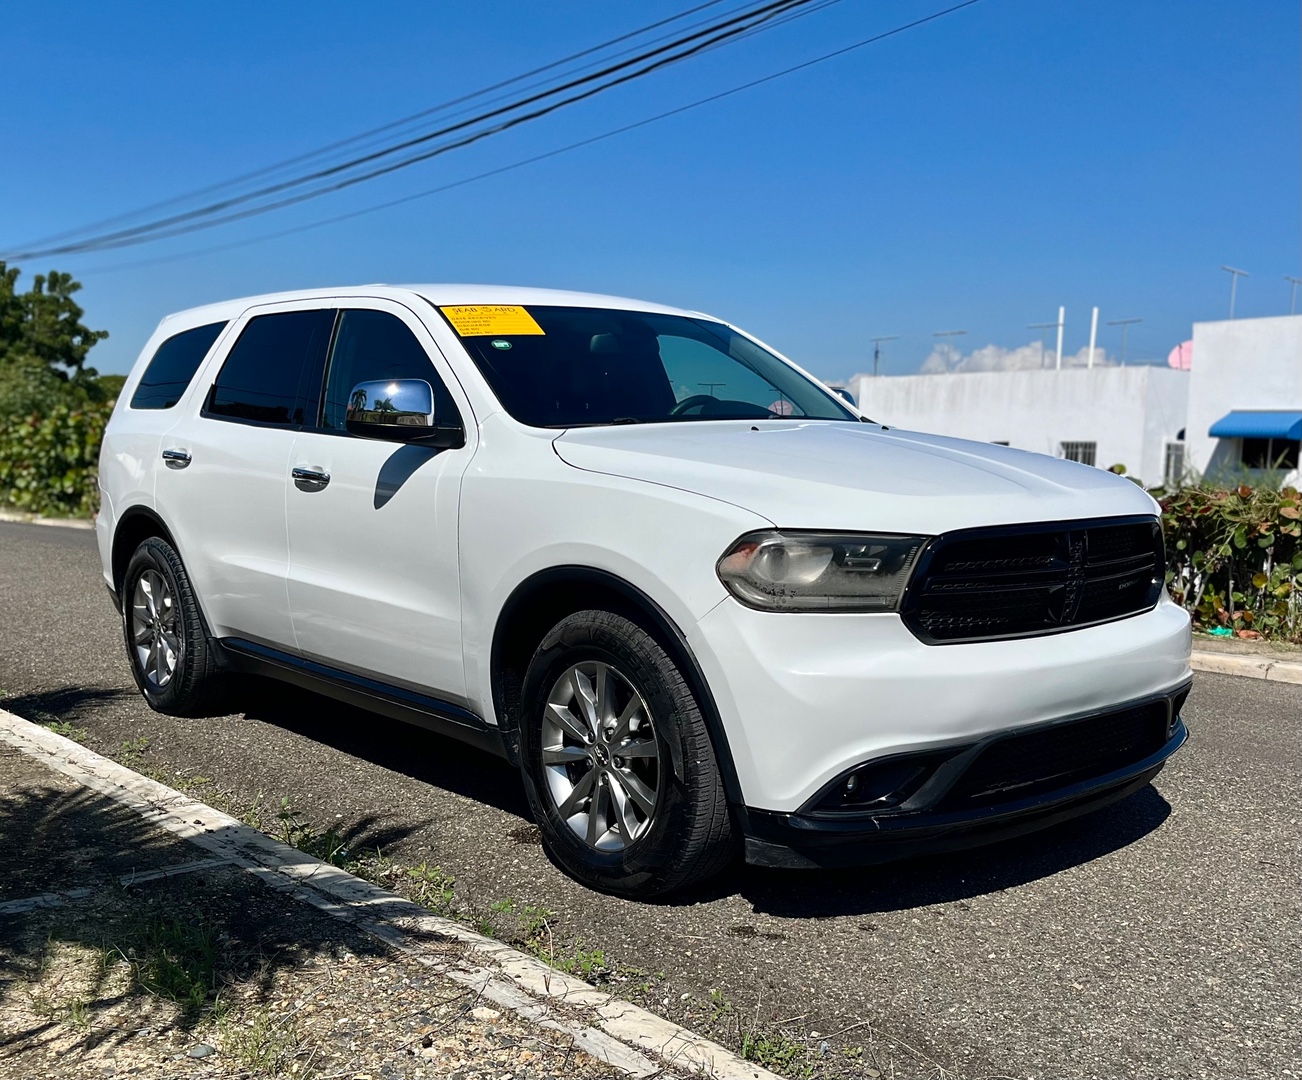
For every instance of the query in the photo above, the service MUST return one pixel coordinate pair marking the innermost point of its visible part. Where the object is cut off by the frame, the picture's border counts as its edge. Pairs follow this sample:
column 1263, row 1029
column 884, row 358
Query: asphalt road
column 1158, row 938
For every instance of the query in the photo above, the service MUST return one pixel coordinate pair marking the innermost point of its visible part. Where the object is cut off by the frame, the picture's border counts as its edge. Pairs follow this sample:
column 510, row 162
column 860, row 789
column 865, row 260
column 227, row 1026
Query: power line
column 615, row 74
column 391, row 125
column 534, row 159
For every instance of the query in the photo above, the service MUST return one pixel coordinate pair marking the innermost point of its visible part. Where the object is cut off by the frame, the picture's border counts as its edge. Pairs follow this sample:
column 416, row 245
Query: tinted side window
column 173, row 366
column 376, row 345
column 269, row 372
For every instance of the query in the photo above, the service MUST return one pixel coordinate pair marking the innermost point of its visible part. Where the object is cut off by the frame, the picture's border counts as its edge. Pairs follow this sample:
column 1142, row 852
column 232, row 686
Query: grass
column 776, row 1051
column 261, row 1042
column 67, row 729
column 293, row 829
column 170, row 958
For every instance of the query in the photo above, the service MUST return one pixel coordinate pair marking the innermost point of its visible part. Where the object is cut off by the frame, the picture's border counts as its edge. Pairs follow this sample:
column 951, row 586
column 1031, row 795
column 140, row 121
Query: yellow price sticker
column 480, row 320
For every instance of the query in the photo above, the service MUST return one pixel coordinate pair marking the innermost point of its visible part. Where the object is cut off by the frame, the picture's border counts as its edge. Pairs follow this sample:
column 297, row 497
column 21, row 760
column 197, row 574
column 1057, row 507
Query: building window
column 1173, row 466
column 1269, row 454
column 1084, row 452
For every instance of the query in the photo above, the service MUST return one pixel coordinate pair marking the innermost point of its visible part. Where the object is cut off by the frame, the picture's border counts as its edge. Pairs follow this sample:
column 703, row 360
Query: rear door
column 226, row 469
column 374, row 584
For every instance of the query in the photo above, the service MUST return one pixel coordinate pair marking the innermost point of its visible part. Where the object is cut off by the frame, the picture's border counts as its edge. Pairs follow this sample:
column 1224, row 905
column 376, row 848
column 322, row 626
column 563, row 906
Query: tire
column 662, row 821
column 161, row 626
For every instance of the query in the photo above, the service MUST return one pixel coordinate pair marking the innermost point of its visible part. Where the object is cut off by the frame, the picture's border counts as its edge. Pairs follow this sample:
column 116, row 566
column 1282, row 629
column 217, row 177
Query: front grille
column 1023, row 580
column 1020, row 766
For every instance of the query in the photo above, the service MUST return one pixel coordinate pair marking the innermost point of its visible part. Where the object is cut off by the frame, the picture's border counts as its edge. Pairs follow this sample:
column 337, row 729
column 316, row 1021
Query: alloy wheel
column 600, row 756
column 154, row 632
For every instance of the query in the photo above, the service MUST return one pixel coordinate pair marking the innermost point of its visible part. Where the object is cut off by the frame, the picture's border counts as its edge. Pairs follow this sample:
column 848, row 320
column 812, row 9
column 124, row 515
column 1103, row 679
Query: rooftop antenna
column 1094, row 336
column 1044, row 337
column 1234, row 283
column 1125, row 325
column 877, row 349
column 947, row 333
column 1292, row 298
column 712, row 386
column 1062, row 312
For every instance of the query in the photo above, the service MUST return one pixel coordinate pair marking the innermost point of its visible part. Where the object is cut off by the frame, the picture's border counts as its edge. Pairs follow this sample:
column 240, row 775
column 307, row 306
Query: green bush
column 49, row 462
column 1234, row 558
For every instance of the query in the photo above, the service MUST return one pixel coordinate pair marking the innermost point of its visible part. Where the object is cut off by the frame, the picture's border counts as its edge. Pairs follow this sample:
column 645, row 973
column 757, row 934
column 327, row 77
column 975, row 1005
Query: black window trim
column 318, row 426
column 245, row 319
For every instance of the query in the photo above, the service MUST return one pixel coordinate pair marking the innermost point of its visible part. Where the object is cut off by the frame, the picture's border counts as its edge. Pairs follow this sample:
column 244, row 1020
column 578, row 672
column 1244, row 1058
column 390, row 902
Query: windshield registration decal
column 481, row 320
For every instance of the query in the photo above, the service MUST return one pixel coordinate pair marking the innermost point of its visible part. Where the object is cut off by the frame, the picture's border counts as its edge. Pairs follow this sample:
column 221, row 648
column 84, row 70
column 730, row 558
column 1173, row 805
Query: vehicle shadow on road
column 957, row 876
column 67, row 703
column 403, row 748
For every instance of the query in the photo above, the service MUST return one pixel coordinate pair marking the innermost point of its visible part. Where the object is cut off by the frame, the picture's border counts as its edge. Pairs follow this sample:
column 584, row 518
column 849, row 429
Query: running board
column 392, row 701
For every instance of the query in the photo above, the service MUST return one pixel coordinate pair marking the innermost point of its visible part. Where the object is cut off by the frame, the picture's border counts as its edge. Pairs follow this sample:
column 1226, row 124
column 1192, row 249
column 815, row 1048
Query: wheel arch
column 540, row 601
column 136, row 525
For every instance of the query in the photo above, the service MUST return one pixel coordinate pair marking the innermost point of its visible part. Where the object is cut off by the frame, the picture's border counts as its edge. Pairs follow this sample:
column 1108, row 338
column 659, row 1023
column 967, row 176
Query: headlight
column 810, row 571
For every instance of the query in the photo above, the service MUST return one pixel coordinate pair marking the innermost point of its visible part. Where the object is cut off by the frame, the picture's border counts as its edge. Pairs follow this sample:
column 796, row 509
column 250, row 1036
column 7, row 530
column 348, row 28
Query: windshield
column 571, row 367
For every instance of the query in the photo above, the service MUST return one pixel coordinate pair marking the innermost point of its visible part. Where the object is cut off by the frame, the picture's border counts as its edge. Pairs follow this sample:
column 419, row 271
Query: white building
column 1245, row 396
column 1101, row 416
column 1239, row 407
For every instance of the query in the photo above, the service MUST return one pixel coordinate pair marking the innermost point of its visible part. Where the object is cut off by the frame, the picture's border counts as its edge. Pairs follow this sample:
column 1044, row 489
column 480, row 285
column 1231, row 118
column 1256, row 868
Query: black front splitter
column 798, row 841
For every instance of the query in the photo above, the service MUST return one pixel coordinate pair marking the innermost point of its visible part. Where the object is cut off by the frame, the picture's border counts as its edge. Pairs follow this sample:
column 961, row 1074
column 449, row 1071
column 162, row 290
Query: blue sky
column 971, row 174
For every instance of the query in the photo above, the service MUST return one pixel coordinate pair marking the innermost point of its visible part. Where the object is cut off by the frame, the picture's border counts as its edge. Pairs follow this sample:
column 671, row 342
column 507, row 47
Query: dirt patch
column 213, row 975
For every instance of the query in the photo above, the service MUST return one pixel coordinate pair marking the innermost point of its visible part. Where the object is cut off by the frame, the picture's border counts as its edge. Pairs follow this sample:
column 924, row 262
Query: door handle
column 310, row 479
column 176, row 459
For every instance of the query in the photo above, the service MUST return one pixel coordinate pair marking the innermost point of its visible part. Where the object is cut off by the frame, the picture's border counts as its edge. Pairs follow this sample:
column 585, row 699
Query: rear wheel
column 171, row 660
column 618, row 765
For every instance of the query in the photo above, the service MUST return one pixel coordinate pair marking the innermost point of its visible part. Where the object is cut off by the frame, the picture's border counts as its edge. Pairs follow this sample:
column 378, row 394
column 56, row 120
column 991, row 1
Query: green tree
column 44, row 323
column 44, row 345
column 53, row 407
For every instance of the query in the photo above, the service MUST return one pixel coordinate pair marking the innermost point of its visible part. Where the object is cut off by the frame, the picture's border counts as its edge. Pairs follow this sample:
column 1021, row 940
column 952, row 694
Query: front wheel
column 618, row 766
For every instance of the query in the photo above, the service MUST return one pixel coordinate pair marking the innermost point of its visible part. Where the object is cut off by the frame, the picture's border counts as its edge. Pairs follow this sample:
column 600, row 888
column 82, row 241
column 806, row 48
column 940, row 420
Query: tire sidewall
column 152, row 555
column 639, row 866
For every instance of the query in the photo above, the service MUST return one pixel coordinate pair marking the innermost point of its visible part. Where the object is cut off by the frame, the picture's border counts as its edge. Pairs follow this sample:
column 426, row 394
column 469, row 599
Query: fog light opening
column 879, row 785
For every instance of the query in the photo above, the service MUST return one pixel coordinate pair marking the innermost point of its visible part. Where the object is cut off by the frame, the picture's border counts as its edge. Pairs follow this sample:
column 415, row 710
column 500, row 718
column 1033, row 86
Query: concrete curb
column 1250, row 667
column 635, row 1041
column 37, row 519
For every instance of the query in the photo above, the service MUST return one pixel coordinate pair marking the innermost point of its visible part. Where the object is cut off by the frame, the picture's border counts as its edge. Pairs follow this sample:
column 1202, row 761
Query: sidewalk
column 144, row 933
column 1272, row 660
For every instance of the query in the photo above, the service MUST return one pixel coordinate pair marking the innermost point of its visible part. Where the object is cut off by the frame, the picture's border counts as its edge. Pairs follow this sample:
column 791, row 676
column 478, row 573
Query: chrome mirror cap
column 400, row 410
column 406, row 402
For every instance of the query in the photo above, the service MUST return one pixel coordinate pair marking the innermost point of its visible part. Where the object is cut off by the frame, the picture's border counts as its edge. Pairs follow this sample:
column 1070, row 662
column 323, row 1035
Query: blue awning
column 1274, row 424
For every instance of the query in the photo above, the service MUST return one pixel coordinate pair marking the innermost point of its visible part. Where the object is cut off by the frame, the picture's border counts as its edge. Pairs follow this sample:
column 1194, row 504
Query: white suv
column 700, row 601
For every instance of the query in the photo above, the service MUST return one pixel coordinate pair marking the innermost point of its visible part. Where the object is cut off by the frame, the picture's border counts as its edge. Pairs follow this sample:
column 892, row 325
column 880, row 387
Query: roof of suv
column 438, row 295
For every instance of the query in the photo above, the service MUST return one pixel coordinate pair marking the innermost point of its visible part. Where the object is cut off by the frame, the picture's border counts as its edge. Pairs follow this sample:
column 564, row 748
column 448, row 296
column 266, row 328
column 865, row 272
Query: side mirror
column 842, row 392
column 400, row 410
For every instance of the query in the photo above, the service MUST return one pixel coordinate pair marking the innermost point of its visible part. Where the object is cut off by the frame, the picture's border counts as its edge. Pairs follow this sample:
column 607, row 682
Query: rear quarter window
column 173, row 366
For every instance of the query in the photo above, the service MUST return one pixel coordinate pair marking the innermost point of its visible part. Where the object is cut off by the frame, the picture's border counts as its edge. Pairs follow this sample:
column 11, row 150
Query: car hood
column 839, row 475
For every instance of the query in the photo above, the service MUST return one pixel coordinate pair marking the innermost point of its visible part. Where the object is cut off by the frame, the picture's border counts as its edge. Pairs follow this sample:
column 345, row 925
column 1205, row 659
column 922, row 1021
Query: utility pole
column 1292, row 296
column 1094, row 336
column 1234, row 283
column 947, row 334
column 1125, row 325
column 1062, row 312
column 1044, row 337
column 877, row 349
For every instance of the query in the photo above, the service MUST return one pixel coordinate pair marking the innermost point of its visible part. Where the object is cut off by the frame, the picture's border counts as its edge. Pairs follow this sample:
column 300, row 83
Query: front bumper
column 804, row 697
column 931, row 822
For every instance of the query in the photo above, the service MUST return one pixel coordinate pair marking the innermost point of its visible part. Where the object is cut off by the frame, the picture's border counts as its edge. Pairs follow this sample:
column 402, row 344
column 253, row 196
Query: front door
column 373, row 576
